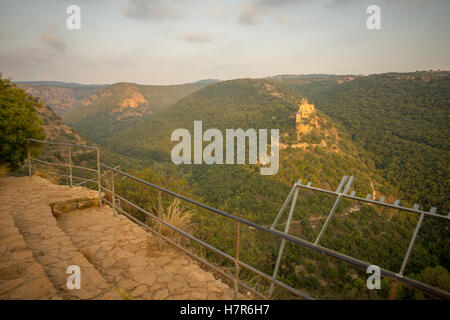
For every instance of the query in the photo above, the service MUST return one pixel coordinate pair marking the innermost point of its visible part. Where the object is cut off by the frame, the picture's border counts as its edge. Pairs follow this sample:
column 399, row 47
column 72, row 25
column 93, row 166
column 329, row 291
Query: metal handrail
column 284, row 236
column 394, row 205
column 69, row 165
column 304, row 243
column 210, row 247
column 63, row 144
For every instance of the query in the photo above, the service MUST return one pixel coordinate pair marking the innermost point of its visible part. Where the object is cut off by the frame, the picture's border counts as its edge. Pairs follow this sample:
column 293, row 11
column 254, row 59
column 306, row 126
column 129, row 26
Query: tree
column 18, row 122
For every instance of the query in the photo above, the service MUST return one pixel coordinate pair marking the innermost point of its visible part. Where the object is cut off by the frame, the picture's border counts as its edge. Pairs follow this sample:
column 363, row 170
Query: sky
column 179, row 41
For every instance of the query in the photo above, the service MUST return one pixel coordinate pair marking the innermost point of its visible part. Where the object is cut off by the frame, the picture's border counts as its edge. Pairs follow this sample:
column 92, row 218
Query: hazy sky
column 167, row 42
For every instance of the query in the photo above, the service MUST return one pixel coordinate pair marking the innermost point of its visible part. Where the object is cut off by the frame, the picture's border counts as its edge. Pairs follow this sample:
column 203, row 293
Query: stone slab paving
column 21, row 276
column 115, row 255
column 26, row 200
column 129, row 257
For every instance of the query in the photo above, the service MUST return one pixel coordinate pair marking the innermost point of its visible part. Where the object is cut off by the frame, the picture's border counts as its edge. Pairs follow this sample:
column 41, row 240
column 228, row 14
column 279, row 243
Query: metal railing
column 283, row 236
column 397, row 277
column 69, row 165
column 238, row 263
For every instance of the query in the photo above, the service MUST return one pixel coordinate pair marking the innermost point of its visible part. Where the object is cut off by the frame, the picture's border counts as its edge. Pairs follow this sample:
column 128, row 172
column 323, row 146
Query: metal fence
column 68, row 165
column 283, row 236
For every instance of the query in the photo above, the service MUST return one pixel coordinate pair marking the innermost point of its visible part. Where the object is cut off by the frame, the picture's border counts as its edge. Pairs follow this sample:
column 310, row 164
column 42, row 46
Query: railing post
column 99, row 179
column 283, row 241
column 113, row 193
column 29, row 159
column 236, row 261
column 411, row 244
column 159, row 222
column 286, row 202
column 393, row 290
column 336, row 203
column 70, row 167
column 159, row 236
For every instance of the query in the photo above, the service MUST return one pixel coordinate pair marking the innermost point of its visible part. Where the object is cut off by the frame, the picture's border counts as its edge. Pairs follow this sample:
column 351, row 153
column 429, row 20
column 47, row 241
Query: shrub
column 178, row 216
column 18, row 122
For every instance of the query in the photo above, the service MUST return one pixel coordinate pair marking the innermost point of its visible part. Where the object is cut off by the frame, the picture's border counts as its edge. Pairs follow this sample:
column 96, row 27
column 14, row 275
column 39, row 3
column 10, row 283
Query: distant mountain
column 60, row 96
column 60, row 84
column 311, row 77
column 120, row 105
column 207, row 81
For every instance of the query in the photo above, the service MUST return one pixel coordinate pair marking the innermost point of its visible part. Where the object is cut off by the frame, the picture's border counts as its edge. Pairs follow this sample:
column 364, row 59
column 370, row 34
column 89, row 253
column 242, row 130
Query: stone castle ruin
column 305, row 118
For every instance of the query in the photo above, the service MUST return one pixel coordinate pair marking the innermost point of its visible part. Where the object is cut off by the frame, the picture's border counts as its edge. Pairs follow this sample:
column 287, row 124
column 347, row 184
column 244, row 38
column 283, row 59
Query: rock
column 146, row 278
column 176, row 287
column 139, row 290
column 198, row 295
column 35, row 289
column 161, row 294
column 162, row 260
column 137, row 261
column 128, row 284
column 119, row 254
column 213, row 287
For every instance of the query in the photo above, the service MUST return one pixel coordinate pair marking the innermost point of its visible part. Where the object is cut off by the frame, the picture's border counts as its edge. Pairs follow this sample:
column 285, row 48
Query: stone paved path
column 127, row 256
column 21, row 277
column 27, row 202
column 115, row 255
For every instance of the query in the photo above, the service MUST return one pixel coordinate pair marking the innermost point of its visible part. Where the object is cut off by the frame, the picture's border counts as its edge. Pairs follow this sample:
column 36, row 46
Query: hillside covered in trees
column 121, row 105
column 401, row 121
column 60, row 96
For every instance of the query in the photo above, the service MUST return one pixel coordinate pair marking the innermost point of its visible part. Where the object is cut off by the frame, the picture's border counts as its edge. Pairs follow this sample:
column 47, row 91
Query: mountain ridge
column 120, row 105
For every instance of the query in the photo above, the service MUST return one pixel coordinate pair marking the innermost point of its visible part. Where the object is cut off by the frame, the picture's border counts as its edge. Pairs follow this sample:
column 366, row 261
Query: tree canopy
column 18, row 122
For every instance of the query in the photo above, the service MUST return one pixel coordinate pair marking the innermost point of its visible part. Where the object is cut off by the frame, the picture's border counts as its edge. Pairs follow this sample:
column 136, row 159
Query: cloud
column 196, row 37
column 52, row 27
column 277, row 3
column 216, row 8
column 288, row 22
column 151, row 10
column 53, row 42
column 341, row 3
column 251, row 13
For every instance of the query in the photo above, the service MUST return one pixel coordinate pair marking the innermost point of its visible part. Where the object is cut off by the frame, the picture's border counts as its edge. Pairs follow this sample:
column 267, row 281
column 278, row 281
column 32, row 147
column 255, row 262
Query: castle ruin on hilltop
column 305, row 118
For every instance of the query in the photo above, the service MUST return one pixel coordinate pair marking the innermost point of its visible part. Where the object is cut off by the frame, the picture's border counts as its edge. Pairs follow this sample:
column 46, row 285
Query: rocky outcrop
column 305, row 118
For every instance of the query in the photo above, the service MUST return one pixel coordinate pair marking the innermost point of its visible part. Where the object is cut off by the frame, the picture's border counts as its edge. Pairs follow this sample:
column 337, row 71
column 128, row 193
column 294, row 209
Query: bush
column 18, row 122
column 178, row 217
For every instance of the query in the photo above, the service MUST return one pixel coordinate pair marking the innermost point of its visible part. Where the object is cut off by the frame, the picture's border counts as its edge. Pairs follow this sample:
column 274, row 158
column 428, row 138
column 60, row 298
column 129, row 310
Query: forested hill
column 401, row 122
column 323, row 156
column 60, row 96
column 56, row 131
column 122, row 104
